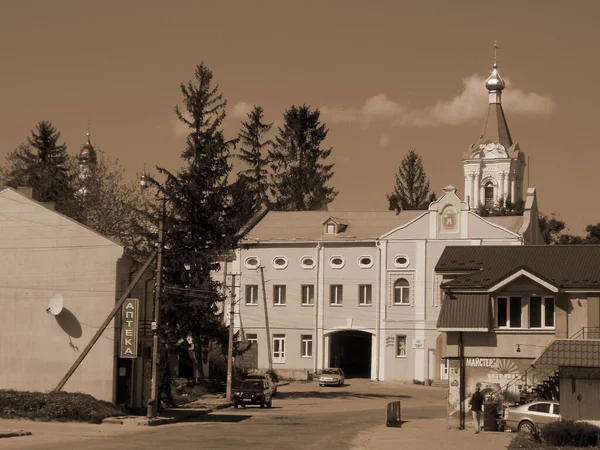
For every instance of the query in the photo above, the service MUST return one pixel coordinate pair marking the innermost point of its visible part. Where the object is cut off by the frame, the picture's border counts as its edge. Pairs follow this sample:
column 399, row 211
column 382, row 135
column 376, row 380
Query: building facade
column 523, row 321
column 58, row 283
column 357, row 290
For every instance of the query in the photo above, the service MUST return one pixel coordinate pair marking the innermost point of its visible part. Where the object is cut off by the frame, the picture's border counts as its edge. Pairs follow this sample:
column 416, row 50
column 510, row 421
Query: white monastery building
column 357, row 290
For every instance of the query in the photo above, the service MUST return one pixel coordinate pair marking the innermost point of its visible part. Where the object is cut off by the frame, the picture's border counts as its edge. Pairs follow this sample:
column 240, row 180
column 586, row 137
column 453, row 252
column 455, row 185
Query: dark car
column 268, row 378
column 253, row 392
column 526, row 418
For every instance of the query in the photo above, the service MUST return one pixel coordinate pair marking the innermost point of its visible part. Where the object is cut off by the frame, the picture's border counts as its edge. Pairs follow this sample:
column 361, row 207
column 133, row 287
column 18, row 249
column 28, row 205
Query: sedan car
column 332, row 377
column 253, row 392
column 530, row 416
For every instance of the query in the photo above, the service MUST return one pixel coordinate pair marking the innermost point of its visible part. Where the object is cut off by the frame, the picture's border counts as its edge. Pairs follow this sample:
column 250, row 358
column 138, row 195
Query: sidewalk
column 20, row 432
column 427, row 434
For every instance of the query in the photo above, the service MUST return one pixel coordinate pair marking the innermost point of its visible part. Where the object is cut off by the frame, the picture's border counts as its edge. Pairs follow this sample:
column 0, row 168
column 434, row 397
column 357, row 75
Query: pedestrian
column 477, row 407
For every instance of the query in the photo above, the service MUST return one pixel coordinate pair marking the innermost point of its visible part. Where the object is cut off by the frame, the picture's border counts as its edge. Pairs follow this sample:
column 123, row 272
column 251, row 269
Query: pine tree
column 198, row 226
column 254, row 152
column 42, row 164
column 412, row 186
column 299, row 175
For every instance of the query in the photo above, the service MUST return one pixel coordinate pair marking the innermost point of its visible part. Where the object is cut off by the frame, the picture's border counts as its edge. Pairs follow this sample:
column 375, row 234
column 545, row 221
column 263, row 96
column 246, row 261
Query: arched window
column 489, row 195
column 401, row 292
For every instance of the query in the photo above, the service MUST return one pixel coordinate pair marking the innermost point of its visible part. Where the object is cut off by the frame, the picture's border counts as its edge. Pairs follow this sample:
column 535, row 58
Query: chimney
column 28, row 192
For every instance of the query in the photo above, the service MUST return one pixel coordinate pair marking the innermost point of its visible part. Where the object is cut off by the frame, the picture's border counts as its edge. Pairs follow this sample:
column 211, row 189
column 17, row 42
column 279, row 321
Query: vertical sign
column 129, row 328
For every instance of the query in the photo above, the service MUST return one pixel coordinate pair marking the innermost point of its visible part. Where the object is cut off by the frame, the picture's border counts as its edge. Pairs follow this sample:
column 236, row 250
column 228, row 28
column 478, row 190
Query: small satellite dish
column 56, row 305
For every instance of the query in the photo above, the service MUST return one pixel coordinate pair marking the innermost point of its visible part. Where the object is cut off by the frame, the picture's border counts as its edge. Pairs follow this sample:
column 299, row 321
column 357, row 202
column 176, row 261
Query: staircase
column 541, row 380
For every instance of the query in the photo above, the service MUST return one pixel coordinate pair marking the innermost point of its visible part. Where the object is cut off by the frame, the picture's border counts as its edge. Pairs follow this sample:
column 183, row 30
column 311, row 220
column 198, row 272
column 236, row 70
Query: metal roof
column 564, row 266
column 572, row 353
column 308, row 225
column 465, row 312
column 495, row 127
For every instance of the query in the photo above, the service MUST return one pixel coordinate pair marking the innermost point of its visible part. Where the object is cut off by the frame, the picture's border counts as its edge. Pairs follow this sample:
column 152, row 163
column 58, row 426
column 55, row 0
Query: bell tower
column 494, row 165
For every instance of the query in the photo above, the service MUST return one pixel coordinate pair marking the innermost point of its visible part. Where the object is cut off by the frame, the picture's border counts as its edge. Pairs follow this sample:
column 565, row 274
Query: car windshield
column 252, row 384
column 331, row 371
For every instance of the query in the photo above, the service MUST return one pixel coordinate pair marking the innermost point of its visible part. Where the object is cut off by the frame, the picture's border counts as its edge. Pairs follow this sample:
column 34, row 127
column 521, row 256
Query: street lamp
column 152, row 410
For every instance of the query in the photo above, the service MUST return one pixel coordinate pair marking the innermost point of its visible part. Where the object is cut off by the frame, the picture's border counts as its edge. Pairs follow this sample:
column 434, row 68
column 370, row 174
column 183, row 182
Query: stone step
column 440, row 383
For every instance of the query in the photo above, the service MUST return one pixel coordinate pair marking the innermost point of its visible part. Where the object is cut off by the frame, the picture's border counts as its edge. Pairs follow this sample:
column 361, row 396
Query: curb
column 188, row 415
column 9, row 434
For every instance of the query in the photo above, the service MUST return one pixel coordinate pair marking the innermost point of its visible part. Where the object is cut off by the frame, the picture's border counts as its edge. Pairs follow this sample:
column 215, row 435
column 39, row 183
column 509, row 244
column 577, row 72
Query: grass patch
column 54, row 406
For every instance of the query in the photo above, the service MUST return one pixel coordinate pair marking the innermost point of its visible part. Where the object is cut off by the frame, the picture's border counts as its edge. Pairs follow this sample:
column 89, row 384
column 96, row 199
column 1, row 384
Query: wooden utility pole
column 230, row 343
column 270, row 355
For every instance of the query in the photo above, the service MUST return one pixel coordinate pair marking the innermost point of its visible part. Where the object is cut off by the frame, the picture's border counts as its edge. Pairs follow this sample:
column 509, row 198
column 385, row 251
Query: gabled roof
column 511, row 223
column 563, row 266
column 465, row 312
column 308, row 225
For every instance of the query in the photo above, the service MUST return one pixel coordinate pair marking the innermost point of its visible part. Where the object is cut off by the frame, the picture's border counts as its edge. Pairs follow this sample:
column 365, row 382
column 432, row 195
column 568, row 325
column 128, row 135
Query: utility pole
column 152, row 410
column 262, row 279
column 230, row 343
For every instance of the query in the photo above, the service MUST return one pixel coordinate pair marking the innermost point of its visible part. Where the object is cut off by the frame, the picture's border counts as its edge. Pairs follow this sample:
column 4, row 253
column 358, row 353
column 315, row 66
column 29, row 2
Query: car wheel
column 526, row 427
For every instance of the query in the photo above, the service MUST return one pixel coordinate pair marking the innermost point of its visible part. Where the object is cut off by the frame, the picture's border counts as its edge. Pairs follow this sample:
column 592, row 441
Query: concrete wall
column 46, row 255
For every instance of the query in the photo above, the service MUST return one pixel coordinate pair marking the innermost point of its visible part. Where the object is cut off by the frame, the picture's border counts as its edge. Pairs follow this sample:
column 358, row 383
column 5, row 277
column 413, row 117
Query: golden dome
column 495, row 81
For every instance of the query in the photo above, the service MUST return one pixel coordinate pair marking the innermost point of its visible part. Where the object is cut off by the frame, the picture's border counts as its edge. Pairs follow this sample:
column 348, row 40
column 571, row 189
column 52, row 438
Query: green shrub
column 55, row 406
column 569, row 432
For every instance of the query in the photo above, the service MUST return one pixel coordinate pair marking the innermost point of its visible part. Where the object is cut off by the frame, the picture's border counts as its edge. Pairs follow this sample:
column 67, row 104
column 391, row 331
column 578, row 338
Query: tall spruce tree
column 198, row 226
column 250, row 190
column 412, row 185
column 299, row 176
column 42, row 164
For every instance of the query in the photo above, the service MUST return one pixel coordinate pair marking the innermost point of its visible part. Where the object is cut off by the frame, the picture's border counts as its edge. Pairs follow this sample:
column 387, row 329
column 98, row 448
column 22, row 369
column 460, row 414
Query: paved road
column 304, row 416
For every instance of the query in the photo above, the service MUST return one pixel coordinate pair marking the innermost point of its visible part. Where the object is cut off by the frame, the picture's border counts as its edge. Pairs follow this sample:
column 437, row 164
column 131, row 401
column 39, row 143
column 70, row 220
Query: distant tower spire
column 495, row 84
column 495, row 54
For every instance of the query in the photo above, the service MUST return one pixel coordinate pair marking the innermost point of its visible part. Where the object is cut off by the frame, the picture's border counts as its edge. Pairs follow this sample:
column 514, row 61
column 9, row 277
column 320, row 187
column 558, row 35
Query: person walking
column 477, row 408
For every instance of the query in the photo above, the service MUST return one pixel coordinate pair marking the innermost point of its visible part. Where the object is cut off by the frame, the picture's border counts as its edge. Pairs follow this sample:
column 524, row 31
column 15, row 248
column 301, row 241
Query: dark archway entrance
column 351, row 351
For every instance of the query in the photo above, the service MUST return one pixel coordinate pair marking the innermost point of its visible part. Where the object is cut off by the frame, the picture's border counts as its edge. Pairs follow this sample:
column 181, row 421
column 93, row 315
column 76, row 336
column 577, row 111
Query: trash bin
column 392, row 415
column 490, row 417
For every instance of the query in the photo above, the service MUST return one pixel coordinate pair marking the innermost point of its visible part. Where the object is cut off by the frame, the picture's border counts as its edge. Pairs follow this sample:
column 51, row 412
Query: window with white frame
column 279, row 348
column 252, row 262
column 401, row 292
column 337, row 262
column 308, row 262
column 509, row 312
column 280, row 262
column 336, row 294
column 306, row 350
column 279, row 294
column 400, row 346
column 364, row 295
column 252, row 294
column 365, row 262
column 308, row 294
column 252, row 338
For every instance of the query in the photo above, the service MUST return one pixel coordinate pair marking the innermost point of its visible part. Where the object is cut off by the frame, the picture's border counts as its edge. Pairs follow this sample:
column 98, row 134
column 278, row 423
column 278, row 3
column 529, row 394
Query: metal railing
column 587, row 333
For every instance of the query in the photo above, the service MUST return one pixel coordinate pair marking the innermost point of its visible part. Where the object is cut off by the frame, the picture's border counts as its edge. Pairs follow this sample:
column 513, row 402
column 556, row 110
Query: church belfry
column 494, row 165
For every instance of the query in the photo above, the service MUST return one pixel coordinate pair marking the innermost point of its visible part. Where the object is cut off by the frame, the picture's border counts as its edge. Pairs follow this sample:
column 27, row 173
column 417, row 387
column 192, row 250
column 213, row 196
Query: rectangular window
column 364, row 295
column 400, row 346
column 279, row 348
column 549, row 313
column 252, row 338
column 308, row 295
column 306, row 350
column 252, row 294
column 535, row 312
column 336, row 294
column 515, row 312
column 508, row 312
column 502, row 312
column 279, row 294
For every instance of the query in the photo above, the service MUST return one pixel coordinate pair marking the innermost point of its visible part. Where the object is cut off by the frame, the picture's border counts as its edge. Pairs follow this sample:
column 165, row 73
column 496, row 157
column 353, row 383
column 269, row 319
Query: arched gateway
column 350, row 350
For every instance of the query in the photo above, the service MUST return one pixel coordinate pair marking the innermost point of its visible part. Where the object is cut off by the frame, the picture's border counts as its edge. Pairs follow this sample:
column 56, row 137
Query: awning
column 465, row 312
column 571, row 353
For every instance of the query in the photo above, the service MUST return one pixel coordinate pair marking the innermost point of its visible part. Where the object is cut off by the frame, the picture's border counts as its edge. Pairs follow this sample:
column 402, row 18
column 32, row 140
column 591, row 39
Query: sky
column 387, row 76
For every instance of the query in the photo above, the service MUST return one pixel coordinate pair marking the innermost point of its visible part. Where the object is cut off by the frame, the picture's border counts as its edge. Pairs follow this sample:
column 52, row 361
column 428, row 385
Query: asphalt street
column 304, row 416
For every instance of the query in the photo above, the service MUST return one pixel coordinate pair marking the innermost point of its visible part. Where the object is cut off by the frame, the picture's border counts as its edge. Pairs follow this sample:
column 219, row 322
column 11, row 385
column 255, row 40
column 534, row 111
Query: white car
column 332, row 377
column 530, row 416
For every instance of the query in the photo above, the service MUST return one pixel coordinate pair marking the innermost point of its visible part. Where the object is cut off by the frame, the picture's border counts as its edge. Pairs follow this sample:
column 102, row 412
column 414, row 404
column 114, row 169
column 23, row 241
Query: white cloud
column 241, row 110
column 384, row 141
column 465, row 107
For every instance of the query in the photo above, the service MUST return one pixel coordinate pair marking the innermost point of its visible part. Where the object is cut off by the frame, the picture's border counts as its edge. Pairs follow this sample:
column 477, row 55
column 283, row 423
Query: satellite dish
column 56, row 305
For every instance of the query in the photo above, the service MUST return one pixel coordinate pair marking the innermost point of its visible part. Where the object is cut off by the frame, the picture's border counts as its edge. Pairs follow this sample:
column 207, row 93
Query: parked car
column 253, row 392
column 331, row 376
column 268, row 378
column 530, row 416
